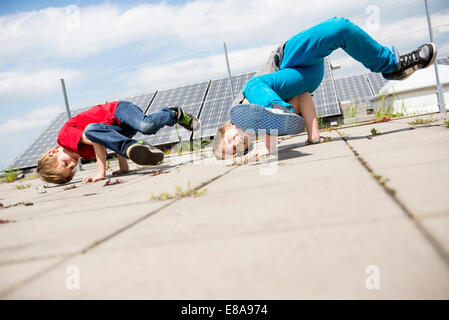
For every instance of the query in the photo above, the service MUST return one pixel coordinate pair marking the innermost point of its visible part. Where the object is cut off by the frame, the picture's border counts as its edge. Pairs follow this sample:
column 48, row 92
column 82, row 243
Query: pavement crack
column 8, row 291
column 32, row 259
column 132, row 224
column 439, row 248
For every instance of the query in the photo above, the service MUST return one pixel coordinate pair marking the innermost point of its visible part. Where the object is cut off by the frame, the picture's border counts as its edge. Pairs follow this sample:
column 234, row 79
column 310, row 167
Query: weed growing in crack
column 422, row 121
column 179, row 193
column 23, row 186
column 375, row 132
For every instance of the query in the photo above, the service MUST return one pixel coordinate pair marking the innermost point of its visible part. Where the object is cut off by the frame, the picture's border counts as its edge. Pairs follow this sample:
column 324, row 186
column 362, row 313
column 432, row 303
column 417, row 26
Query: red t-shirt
column 70, row 134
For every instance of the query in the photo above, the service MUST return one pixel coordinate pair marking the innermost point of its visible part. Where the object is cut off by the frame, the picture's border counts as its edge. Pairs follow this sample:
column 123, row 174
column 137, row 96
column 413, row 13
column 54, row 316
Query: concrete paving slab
column 427, row 181
column 64, row 234
column 438, row 225
column 405, row 144
column 325, row 263
column 90, row 219
column 308, row 230
column 224, row 212
column 135, row 189
column 416, row 163
column 14, row 274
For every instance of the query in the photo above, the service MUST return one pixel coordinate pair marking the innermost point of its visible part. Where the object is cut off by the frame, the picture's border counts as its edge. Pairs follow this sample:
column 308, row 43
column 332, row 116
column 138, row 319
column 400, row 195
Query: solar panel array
column 218, row 101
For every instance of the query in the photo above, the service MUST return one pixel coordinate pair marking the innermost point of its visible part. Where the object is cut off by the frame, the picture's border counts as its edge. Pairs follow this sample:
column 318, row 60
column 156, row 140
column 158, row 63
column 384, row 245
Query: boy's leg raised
column 312, row 45
column 131, row 115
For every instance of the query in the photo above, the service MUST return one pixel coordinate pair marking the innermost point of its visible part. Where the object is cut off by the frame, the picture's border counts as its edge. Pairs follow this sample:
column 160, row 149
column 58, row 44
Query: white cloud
column 404, row 29
column 198, row 69
column 41, row 81
column 36, row 119
column 65, row 32
column 52, row 33
column 440, row 19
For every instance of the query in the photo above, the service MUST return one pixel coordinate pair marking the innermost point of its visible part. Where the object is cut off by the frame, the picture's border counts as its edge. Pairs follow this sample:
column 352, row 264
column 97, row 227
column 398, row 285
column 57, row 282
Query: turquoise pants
column 302, row 67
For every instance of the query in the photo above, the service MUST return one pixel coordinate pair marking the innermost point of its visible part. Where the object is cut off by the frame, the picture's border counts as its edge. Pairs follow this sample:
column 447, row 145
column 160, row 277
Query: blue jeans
column 132, row 120
column 302, row 66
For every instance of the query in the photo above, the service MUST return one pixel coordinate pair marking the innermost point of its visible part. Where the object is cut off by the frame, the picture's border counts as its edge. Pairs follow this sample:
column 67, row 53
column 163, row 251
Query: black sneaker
column 186, row 120
column 144, row 154
column 420, row 58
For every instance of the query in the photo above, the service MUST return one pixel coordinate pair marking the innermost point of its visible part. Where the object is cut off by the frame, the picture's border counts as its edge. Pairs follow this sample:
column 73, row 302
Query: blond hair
column 47, row 169
column 217, row 145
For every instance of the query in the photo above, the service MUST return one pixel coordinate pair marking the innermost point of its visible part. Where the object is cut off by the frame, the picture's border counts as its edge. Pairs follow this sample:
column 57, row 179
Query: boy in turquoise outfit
column 274, row 98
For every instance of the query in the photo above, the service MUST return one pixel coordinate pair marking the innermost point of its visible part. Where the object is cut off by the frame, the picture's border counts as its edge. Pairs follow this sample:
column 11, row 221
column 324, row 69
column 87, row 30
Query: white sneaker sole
column 255, row 117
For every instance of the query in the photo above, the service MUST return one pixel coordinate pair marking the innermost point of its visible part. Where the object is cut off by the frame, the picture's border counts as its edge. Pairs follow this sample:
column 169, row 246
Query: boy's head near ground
column 229, row 141
column 57, row 165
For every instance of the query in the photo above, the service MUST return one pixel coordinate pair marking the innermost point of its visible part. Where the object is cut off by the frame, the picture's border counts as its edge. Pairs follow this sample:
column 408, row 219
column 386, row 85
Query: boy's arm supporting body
column 304, row 105
column 123, row 165
column 100, row 154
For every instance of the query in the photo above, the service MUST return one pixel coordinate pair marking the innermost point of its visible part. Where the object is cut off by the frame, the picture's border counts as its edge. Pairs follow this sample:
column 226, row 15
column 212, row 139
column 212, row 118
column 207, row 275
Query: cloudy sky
column 108, row 50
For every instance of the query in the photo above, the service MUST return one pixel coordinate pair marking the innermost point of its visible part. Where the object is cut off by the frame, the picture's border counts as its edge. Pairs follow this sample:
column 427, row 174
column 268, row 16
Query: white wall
column 417, row 102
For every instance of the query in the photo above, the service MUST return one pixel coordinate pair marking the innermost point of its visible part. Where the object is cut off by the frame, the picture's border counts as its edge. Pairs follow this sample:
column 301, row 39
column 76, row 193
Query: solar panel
column 354, row 88
column 215, row 114
column 444, row 61
column 188, row 97
column 218, row 101
column 220, row 88
column 45, row 141
column 325, row 98
column 360, row 88
column 376, row 81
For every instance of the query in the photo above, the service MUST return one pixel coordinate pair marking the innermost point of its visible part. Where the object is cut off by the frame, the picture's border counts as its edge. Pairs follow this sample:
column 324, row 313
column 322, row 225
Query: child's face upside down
column 67, row 160
column 235, row 140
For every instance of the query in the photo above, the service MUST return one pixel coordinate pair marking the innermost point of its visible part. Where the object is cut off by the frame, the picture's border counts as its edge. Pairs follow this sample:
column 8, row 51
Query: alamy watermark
column 72, row 281
column 372, row 21
column 72, row 17
column 372, row 281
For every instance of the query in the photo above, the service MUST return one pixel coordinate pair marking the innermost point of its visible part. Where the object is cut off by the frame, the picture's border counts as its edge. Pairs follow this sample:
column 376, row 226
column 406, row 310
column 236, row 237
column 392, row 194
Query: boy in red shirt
column 111, row 125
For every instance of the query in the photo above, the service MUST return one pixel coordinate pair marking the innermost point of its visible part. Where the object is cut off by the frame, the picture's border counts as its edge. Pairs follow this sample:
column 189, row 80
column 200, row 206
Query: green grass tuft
column 179, row 193
column 10, row 174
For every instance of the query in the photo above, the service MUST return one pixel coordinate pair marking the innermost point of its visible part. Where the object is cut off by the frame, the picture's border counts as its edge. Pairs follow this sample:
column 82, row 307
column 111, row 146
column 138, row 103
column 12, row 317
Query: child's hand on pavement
column 260, row 152
column 93, row 179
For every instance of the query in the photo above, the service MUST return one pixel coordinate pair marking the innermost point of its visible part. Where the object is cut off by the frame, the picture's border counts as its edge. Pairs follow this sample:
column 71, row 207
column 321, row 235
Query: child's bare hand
column 261, row 152
column 93, row 179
